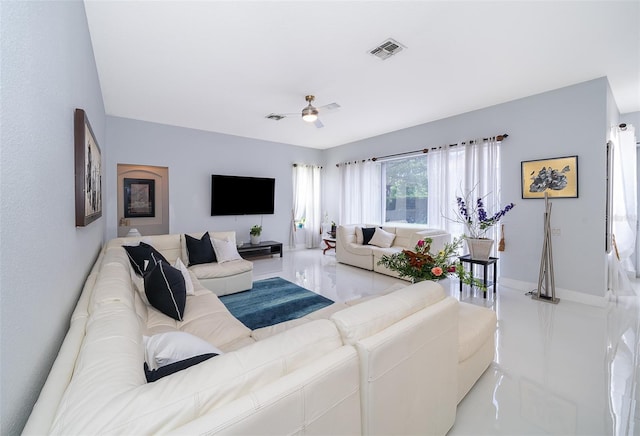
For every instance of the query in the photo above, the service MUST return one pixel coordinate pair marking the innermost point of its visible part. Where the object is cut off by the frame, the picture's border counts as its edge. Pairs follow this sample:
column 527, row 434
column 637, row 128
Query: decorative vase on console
column 479, row 248
column 477, row 222
column 254, row 234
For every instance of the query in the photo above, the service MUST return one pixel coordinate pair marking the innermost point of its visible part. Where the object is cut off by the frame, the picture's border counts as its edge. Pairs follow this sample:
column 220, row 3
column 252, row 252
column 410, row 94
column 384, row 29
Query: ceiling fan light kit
column 309, row 113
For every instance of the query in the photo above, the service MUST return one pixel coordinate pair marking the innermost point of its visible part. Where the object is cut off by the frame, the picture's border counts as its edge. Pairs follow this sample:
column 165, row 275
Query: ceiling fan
column 309, row 112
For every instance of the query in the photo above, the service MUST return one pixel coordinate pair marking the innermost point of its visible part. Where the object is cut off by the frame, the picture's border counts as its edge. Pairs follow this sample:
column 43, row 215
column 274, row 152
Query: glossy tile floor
column 565, row 369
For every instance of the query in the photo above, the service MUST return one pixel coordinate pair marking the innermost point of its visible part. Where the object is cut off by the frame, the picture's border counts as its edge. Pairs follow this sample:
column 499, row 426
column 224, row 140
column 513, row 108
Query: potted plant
column 477, row 222
column 254, row 233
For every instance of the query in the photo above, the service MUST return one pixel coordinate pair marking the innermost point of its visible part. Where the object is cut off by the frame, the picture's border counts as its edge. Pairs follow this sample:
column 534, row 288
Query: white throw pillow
column 225, row 249
column 359, row 236
column 382, row 238
column 187, row 277
column 138, row 283
column 165, row 348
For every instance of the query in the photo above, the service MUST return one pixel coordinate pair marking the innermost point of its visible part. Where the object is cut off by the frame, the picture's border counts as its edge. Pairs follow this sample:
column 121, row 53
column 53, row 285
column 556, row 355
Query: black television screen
column 237, row 195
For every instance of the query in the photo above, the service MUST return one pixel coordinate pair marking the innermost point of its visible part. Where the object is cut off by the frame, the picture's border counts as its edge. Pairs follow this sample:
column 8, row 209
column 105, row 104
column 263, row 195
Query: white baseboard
column 562, row 294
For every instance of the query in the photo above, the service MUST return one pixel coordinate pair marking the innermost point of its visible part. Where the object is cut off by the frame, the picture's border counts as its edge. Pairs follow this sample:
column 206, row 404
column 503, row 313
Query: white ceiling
column 224, row 65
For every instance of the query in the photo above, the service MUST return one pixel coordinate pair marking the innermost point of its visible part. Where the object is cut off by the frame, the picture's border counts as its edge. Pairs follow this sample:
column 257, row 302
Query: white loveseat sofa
column 350, row 249
column 391, row 364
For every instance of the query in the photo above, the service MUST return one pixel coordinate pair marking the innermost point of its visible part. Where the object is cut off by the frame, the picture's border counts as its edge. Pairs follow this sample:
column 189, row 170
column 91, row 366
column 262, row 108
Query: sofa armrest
column 349, row 252
column 409, row 373
column 370, row 317
column 439, row 237
column 346, row 234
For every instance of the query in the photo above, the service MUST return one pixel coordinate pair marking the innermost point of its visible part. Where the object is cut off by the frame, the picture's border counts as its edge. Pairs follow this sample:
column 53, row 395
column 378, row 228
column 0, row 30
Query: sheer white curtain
column 456, row 171
column 307, row 182
column 624, row 197
column 360, row 193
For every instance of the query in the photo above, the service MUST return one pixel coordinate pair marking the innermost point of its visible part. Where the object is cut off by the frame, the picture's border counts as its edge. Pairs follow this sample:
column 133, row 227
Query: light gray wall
column 192, row 156
column 563, row 122
column 47, row 71
column 632, row 118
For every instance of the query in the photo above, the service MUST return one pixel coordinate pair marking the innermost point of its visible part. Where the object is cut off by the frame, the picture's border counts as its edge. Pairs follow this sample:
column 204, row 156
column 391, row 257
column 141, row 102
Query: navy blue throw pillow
column 139, row 253
column 165, row 289
column 163, row 371
column 367, row 234
column 200, row 250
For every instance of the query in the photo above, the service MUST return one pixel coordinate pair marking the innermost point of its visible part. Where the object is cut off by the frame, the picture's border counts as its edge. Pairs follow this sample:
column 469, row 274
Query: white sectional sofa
column 351, row 250
column 387, row 365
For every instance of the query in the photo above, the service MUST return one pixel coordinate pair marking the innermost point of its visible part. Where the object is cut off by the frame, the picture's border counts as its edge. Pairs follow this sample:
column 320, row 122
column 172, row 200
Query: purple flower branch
column 477, row 220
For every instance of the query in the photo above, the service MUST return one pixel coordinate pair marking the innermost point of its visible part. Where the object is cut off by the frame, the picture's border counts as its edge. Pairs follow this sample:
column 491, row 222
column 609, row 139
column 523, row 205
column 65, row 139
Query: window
column 406, row 188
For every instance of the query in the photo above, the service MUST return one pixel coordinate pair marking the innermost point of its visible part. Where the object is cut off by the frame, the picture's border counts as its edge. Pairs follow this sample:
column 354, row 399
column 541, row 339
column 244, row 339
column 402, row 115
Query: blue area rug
column 271, row 301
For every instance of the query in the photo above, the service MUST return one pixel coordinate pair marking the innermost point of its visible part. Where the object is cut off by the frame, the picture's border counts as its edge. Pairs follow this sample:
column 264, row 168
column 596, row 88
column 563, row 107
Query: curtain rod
column 426, row 150
column 307, row 165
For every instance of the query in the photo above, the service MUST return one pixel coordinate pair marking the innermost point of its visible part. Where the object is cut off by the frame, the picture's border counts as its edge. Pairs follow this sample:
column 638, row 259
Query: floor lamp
column 546, row 284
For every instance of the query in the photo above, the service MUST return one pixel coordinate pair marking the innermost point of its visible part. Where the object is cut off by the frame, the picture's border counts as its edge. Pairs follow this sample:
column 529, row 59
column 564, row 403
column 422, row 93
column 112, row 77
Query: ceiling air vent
column 387, row 49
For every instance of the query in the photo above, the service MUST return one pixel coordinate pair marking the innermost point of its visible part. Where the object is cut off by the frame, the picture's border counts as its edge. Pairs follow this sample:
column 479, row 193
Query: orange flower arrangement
column 421, row 264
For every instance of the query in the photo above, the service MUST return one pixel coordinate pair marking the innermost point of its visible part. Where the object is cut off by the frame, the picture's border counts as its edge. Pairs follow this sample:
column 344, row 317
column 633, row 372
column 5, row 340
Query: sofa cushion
column 225, row 250
column 324, row 313
column 170, row 347
column 205, row 316
column 169, row 245
column 156, row 374
column 165, row 289
column 378, row 252
column 179, row 265
column 209, row 318
column 406, row 237
column 113, row 285
column 215, row 270
column 382, row 238
column 200, row 250
column 141, row 254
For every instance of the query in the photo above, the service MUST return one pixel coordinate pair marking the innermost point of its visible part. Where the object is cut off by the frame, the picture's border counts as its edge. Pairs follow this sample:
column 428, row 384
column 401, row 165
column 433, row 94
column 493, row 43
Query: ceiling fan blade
column 329, row 107
column 318, row 123
column 278, row 117
column 275, row 117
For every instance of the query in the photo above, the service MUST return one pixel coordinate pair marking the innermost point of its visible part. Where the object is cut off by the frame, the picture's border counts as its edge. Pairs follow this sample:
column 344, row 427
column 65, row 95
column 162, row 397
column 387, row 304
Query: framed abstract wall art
column 139, row 198
column 558, row 177
column 88, row 171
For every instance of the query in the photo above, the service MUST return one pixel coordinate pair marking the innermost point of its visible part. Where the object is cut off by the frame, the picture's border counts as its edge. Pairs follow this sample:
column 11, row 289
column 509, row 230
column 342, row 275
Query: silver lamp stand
column 546, row 282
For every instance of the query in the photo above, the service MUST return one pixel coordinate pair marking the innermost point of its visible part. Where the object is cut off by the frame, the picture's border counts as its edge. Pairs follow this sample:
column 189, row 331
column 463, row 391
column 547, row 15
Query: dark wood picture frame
column 558, row 177
column 88, row 171
column 139, row 198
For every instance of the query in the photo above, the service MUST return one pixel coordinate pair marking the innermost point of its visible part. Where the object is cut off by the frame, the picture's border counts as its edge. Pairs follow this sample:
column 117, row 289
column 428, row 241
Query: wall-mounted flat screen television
column 238, row 195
